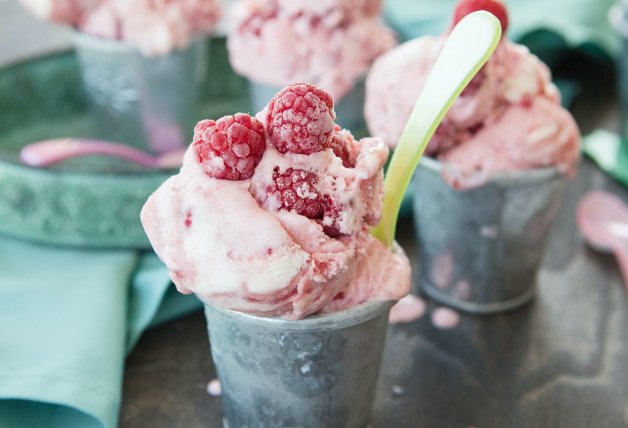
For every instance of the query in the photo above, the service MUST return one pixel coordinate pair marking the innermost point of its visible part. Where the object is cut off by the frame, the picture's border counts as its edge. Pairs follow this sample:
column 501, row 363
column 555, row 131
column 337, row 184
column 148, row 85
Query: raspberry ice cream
column 155, row 27
column 271, row 215
column 508, row 118
column 329, row 43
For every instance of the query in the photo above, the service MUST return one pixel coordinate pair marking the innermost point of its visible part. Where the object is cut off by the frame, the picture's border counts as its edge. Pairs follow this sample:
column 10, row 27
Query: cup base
column 225, row 424
column 486, row 308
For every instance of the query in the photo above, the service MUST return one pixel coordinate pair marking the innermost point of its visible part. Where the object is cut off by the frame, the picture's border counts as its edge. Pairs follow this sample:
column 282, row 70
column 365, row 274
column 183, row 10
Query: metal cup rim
column 618, row 17
column 313, row 323
column 120, row 46
column 524, row 176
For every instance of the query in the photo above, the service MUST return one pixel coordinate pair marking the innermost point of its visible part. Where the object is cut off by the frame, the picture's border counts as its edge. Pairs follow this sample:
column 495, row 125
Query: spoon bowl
column 51, row 152
column 603, row 220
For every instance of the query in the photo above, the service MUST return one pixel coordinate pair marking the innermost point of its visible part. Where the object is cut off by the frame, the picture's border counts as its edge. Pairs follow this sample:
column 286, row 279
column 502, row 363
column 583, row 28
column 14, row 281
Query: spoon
column 468, row 47
column 50, row 152
column 603, row 220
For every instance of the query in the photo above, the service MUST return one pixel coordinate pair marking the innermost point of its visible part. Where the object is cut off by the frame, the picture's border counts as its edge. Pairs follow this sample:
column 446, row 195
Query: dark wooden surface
column 561, row 361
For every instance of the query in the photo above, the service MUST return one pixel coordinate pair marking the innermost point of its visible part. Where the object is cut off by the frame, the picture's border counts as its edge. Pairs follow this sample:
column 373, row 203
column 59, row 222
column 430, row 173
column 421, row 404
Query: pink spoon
column 603, row 220
column 50, row 152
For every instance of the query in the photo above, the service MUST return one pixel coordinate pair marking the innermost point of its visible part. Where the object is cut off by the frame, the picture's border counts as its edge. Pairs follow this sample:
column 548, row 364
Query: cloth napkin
column 68, row 317
column 609, row 152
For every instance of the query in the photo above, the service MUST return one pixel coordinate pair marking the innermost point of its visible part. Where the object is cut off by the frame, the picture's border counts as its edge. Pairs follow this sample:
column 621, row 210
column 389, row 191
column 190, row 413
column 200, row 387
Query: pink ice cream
column 155, row 27
column 329, row 43
column 508, row 118
column 63, row 11
column 244, row 242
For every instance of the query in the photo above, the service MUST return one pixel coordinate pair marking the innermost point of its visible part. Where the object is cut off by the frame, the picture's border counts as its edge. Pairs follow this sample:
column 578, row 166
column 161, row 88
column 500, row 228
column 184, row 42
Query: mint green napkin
column 609, row 152
column 68, row 318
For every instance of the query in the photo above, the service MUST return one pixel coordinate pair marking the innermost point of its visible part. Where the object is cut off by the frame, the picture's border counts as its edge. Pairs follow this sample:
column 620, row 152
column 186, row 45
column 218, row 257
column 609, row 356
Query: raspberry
column 340, row 149
column 496, row 7
column 296, row 190
column 300, row 119
column 231, row 147
column 331, row 212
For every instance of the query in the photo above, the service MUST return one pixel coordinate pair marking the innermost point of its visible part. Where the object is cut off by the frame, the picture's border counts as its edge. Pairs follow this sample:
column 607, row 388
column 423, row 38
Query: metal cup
column 320, row 371
column 349, row 109
column 481, row 248
column 618, row 16
column 147, row 102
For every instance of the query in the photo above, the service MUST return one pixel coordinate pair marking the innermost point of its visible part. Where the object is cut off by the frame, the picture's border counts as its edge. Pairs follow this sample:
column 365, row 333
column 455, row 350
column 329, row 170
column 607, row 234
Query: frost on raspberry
column 296, row 191
column 231, row 147
column 339, row 144
column 300, row 119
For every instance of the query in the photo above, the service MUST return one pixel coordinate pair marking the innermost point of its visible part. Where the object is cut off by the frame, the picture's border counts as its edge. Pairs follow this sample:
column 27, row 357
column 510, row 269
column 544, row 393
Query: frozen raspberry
column 496, row 7
column 330, row 213
column 296, row 190
column 231, row 147
column 339, row 146
column 300, row 119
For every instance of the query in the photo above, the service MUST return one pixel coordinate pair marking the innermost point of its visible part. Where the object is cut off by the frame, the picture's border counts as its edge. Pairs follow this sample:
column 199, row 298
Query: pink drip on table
column 50, row 152
column 214, row 388
column 408, row 309
column 603, row 220
column 445, row 318
column 442, row 269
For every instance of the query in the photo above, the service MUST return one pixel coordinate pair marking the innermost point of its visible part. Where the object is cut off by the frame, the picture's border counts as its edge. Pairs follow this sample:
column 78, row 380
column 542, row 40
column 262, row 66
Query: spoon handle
column 621, row 254
column 468, row 47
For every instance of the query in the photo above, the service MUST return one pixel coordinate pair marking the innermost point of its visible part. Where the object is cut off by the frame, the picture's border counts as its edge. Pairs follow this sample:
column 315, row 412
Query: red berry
column 300, row 119
column 231, row 147
column 496, row 7
column 296, row 190
column 331, row 212
column 339, row 146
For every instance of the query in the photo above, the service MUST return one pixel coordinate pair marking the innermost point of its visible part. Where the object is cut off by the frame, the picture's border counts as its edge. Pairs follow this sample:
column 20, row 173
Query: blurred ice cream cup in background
column 328, row 43
column 486, row 199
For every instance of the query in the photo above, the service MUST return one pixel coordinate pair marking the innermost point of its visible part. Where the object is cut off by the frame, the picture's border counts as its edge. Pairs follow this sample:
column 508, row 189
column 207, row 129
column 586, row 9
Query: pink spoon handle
column 50, row 152
column 621, row 253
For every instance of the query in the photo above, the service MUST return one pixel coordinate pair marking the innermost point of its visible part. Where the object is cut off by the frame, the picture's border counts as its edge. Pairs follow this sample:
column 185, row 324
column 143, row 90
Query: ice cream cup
column 320, row 371
column 349, row 109
column 147, row 102
column 481, row 248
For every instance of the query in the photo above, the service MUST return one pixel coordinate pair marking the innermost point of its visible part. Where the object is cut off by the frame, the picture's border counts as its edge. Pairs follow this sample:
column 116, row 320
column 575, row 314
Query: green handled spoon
column 468, row 47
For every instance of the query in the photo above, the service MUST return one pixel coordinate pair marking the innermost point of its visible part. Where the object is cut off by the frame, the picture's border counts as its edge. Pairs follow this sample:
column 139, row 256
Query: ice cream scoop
column 508, row 118
column 271, row 215
column 51, row 152
column 603, row 220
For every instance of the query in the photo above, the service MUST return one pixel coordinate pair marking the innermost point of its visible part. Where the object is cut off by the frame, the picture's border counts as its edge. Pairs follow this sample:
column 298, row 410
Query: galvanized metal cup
column 618, row 16
column 349, row 109
column 147, row 102
column 320, row 371
column 481, row 248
